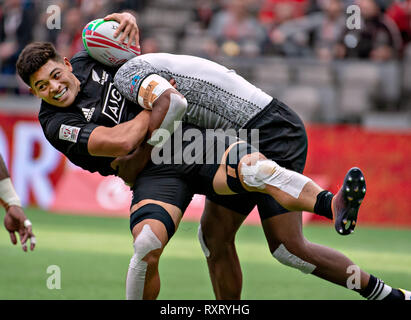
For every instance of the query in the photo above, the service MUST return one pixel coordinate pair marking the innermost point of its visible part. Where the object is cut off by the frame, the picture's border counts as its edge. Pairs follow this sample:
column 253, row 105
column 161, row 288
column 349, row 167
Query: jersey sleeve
column 129, row 77
column 68, row 132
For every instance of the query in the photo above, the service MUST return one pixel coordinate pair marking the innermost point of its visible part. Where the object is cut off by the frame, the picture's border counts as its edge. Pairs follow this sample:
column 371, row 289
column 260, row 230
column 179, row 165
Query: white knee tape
column 269, row 172
column 287, row 258
column 202, row 243
column 136, row 277
column 145, row 242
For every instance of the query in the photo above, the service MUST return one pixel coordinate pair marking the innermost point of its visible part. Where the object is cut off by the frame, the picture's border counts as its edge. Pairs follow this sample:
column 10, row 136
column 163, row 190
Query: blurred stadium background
column 351, row 87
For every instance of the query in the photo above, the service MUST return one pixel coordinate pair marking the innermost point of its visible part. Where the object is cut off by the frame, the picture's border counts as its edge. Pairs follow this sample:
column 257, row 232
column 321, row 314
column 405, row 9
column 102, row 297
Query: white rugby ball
column 99, row 41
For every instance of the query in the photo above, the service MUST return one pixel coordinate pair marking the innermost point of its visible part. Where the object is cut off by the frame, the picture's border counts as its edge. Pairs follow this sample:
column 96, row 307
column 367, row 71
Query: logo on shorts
column 69, row 133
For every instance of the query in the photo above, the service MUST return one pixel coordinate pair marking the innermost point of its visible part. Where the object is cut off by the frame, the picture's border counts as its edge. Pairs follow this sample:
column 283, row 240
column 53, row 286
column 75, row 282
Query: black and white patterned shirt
column 217, row 97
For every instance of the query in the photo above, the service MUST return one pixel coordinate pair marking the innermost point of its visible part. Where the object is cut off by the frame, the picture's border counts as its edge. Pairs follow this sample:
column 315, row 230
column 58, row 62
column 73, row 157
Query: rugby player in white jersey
column 218, row 98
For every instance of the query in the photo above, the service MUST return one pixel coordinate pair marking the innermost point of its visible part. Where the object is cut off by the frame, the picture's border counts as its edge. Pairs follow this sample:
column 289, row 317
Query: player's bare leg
column 150, row 237
column 217, row 234
column 304, row 201
column 331, row 265
column 285, row 231
column 298, row 193
column 293, row 190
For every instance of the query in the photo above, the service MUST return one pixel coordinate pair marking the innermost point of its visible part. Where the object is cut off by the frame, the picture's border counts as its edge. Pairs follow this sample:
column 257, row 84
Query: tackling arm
column 167, row 106
column 120, row 139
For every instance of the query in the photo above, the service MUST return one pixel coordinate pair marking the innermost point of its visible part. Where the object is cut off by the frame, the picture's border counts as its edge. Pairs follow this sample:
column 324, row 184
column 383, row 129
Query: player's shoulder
column 81, row 61
column 81, row 56
column 83, row 64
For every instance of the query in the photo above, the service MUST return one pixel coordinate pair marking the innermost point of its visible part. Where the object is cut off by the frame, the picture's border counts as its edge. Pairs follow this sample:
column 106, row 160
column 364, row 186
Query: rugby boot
column 407, row 294
column 347, row 201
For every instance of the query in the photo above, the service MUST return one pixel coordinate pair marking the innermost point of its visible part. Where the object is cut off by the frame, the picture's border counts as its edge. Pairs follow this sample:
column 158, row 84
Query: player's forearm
column 8, row 196
column 4, row 173
column 120, row 139
column 168, row 110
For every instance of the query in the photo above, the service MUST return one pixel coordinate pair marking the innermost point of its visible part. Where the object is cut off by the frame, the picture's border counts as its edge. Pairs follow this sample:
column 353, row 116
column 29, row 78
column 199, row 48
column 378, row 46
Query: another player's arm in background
column 167, row 106
column 15, row 220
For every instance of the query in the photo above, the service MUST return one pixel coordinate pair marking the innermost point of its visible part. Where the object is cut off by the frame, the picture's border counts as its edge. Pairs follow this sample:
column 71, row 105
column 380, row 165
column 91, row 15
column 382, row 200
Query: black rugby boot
column 347, row 201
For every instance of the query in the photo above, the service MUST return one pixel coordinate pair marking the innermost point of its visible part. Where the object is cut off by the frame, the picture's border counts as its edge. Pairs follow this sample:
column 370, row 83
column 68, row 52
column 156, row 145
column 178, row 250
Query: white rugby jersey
column 217, row 97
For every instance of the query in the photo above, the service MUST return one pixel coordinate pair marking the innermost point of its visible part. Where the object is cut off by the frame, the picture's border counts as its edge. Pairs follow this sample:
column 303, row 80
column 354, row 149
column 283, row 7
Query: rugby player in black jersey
column 84, row 116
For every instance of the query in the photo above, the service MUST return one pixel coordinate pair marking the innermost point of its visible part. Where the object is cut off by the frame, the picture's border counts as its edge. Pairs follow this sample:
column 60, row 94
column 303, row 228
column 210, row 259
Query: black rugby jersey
column 98, row 103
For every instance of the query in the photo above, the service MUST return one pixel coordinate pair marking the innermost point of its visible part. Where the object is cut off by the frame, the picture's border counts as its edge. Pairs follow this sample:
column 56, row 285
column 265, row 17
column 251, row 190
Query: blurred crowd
column 308, row 28
column 23, row 21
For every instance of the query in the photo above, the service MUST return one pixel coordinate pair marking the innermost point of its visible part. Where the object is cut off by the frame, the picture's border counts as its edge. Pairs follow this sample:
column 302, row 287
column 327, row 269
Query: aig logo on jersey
column 69, row 133
column 113, row 104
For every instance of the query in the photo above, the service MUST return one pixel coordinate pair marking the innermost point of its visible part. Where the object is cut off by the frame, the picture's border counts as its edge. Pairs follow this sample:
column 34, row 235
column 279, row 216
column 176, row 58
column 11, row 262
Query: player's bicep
column 120, row 139
column 102, row 142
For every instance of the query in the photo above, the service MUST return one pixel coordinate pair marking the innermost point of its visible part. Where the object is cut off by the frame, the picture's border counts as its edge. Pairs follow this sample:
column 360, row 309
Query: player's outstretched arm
column 15, row 219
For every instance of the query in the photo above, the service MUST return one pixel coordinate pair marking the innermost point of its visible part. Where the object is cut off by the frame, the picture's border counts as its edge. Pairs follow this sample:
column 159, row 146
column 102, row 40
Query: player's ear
column 33, row 92
column 68, row 64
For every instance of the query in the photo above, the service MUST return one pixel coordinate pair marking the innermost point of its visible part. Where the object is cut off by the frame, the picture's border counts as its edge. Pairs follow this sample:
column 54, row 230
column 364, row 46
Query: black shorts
column 162, row 183
column 282, row 138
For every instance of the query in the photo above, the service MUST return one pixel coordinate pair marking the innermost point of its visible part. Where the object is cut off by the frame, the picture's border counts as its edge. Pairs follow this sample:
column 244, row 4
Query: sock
column 322, row 206
column 378, row 290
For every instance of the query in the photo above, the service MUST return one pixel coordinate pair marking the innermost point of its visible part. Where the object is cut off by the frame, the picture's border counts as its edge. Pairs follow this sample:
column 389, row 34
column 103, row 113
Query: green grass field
column 93, row 255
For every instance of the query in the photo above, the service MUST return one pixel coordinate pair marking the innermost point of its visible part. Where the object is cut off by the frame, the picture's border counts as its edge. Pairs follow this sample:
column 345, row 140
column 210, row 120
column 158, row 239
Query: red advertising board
column 43, row 177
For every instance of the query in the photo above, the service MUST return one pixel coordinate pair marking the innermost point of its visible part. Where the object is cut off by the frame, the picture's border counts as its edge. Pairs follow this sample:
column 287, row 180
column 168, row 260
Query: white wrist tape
column 175, row 114
column 7, row 193
column 151, row 88
column 27, row 223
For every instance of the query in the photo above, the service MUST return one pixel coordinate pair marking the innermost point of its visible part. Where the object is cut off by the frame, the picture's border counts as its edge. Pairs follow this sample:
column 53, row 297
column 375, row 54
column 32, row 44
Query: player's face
column 55, row 83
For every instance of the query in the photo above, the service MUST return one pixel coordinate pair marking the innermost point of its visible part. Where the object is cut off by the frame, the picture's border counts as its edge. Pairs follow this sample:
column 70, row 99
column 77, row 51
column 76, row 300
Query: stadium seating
column 336, row 91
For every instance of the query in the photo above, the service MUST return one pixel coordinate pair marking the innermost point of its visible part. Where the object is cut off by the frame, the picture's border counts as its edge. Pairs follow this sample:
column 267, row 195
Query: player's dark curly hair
column 33, row 57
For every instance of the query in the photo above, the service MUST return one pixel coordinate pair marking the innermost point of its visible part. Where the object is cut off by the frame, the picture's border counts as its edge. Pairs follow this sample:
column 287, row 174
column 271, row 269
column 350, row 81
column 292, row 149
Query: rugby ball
column 99, row 41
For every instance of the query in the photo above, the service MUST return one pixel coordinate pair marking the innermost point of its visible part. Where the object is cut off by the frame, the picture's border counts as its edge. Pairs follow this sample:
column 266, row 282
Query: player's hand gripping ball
column 99, row 41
